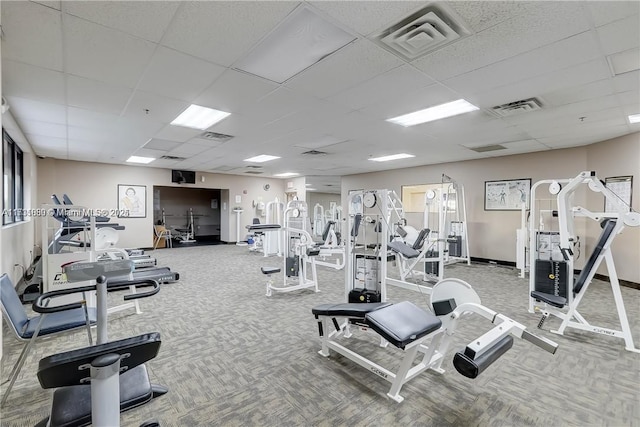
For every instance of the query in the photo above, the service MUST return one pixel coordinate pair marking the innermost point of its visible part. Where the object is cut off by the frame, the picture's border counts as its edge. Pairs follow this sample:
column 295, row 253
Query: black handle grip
column 566, row 252
column 39, row 307
column 139, row 284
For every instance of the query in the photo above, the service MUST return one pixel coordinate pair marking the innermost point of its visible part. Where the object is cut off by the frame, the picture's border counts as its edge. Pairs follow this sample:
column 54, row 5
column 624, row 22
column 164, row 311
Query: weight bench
column 415, row 330
column 404, row 325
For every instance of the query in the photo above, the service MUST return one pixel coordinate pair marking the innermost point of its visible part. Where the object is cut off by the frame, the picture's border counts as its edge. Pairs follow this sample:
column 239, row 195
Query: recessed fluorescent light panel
column 261, row 158
column 198, row 117
column 392, row 157
column 138, row 159
column 286, row 174
column 300, row 41
column 434, row 113
column 634, row 118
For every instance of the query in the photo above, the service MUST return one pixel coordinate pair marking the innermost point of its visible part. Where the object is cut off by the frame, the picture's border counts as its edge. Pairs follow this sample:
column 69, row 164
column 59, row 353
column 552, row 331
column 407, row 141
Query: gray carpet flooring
column 230, row 356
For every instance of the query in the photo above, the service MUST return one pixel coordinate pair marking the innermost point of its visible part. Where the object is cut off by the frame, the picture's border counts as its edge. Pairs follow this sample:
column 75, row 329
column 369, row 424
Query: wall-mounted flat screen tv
column 183, row 177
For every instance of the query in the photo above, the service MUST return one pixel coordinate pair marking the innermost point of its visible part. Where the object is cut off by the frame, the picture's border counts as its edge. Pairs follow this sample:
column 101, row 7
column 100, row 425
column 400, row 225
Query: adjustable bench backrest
column 422, row 236
column 327, row 228
column 605, row 237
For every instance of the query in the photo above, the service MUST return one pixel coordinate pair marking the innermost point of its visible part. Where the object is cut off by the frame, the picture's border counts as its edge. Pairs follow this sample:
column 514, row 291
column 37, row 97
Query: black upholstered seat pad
column 556, row 301
column 269, row 270
column 402, row 323
column 403, row 249
column 72, row 405
column 357, row 310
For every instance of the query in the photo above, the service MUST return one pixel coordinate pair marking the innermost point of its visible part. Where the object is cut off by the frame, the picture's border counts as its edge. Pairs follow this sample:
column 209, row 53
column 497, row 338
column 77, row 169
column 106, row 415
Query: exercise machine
column 187, row 235
column 425, row 336
column 114, row 386
column 562, row 299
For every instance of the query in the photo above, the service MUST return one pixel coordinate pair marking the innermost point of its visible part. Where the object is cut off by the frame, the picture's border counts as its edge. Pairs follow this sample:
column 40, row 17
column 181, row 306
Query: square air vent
column 254, row 172
column 176, row 158
column 487, row 148
column 215, row 136
column 428, row 29
column 517, row 107
column 314, row 153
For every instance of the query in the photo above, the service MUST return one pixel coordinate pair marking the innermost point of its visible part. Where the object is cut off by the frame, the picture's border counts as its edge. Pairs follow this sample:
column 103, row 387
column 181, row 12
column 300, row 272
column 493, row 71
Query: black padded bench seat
column 403, row 249
column 270, row 270
column 358, row 310
column 554, row 300
column 402, row 323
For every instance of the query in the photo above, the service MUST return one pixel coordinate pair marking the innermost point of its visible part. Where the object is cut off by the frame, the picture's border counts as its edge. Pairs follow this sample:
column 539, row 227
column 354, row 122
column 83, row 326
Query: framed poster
column 355, row 206
column 508, row 195
column 132, row 201
column 622, row 186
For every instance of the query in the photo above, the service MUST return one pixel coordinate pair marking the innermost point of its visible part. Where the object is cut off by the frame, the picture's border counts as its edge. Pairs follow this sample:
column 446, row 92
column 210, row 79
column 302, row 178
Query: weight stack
column 432, row 267
column 551, row 277
column 455, row 246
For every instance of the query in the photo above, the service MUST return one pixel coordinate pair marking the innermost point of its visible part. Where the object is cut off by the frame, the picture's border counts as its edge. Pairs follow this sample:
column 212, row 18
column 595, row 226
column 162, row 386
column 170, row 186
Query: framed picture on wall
column 355, row 206
column 132, row 201
column 622, row 186
column 508, row 195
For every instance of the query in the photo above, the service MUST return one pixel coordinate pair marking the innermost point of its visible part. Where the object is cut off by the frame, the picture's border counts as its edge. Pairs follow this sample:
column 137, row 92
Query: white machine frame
column 435, row 345
column 570, row 316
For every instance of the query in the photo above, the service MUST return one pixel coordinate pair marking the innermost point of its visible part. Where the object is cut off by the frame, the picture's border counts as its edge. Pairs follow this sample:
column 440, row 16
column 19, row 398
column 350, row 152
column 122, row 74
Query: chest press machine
column 417, row 331
column 612, row 223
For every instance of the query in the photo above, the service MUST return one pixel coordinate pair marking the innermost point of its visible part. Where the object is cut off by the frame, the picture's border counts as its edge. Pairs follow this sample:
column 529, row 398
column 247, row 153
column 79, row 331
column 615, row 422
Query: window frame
column 13, row 202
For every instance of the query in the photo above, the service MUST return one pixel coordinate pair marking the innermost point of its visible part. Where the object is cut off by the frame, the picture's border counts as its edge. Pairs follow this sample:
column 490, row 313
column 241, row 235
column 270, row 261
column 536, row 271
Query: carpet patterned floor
column 230, row 356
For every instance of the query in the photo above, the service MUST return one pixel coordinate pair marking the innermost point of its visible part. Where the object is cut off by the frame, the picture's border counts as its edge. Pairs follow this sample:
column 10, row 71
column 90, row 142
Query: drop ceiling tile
column 369, row 16
column 52, row 4
column 187, row 150
column 351, row 65
column 481, row 15
column 26, row 109
column 47, row 142
column 222, row 32
column 177, row 133
column 579, row 93
column 160, row 108
column 547, row 23
column 399, row 80
column 278, row 104
column 163, row 163
column 32, row 34
column 54, row 130
column 620, row 35
column 410, row 101
column 178, row 75
column 79, row 117
column 91, row 136
column 147, row 20
column 92, row 50
column 96, row 96
column 566, row 53
column 604, row 12
column 147, row 152
column 161, row 144
column 32, row 82
column 235, row 90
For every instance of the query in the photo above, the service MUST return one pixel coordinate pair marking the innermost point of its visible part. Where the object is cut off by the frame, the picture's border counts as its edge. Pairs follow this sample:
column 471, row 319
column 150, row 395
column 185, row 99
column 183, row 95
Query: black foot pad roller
column 471, row 367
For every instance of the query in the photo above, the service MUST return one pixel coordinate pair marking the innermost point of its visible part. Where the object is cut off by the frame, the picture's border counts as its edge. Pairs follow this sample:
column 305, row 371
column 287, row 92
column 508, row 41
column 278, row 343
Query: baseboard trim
column 625, row 283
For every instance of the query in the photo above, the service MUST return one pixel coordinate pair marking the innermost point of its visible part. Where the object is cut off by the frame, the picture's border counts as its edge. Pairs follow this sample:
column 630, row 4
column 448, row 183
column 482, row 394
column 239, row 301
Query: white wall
column 492, row 233
column 324, row 199
column 94, row 185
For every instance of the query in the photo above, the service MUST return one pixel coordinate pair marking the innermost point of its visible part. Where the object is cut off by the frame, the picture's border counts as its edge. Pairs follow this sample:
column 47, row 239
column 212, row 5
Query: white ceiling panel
column 396, row 81
column 91, row 50
column 148, row 152
column 222, row 31
column 145, row 105
column 176, row 133
column 620, row 35
column 96, row 96
column 235, row 90
column 351, row 65
column 368, row 16
column 569, row 52
column 31, row 33
column 187, row 150
column 604, row 12
column 277, row 104
column 577, row 139
column 580, row 74
column 480, row 15
column 52, row 4
column 146, row 20
column 178, row 75
column 79, row 117
column 32, row 82
column 33, row 127
column 161, row 144
column 41, row 142
column 547, row 23
column 578, row 93
column 35, row 110
column 410, row 101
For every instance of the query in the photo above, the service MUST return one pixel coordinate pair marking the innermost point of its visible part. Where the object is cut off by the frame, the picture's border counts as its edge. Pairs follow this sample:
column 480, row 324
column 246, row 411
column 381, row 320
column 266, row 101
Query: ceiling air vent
column 253, row 167
column 254, row 172
column 214, row 136
column 428, row 29
column 173, row 158
column 517, row 107
column 486, row 148
column 314, row 153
